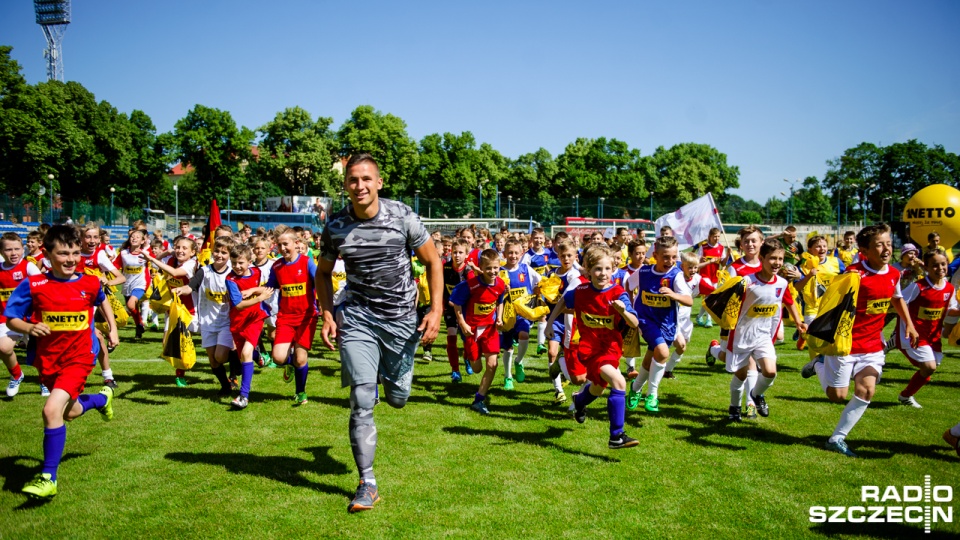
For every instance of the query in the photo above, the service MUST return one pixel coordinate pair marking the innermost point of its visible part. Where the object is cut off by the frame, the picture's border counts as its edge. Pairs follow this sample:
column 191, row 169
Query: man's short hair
column 790, row 229
column 357, row 159
column 65, row 235
column 489, row 255
column 867, row 234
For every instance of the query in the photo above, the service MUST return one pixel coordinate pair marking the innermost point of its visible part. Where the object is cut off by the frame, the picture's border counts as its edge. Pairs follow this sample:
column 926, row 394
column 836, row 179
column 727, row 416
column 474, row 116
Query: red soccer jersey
column 9, row 279
column 714, row 252
column 298, row 300
column 743, row 269
column 597, row 321
column 89, row 262
column 480, row 305
column 67, row 308
column 241, row 318
column 927, row 311
column 37, row 259
column 873, row 301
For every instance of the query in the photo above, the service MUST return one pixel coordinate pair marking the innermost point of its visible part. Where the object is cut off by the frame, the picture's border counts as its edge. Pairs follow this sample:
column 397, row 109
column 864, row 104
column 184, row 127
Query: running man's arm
column 323, row 284
column 430, row 326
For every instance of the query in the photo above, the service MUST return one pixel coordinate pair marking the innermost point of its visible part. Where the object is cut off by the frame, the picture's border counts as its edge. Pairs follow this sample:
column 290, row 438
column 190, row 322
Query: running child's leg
column 9, row 357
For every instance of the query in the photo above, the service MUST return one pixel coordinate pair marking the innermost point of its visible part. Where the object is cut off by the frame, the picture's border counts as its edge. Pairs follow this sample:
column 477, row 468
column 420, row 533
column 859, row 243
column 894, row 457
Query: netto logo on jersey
column 5, row 294
column 218, row 297
column 900, row 512
column 876, row 307
column 66, row 320
column 297, row 289
column 930, row 213
column 483, row 309
column 656, row 300
column 597, row 321
column 929, row 314
column 762, row 311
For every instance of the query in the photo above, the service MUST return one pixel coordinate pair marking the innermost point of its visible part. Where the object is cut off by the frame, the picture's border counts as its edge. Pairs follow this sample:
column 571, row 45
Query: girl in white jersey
column 178, row 269
column 134, row 268
column 751, row 341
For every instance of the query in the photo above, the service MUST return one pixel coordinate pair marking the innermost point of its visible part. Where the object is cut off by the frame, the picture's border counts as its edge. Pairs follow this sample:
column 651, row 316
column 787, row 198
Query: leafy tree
column 602, row 168
column 688, row 170
column 384, row 136
column 811, row 204
column 298, row 153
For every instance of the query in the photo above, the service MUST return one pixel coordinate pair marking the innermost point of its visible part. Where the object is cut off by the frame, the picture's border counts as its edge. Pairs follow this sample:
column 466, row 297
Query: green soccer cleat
column 751, row 411
column 508, row 383
column 708, row 322
column 288, row 372
column 271, row 365
column 107, row 410
column 633, row 399
column 520, row 375
column 427, row 356
column 839, row 447
column 181, row 382
column 651, row 404
column 541, row 349
column 41, row 487
column 300, row 399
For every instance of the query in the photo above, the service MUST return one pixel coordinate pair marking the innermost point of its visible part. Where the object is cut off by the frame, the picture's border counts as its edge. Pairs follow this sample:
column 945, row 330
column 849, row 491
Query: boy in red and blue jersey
column 247, row 313
column 13, row 271
column 62, row 302
column 520, row 280
column 481, row 297
column 600, row 307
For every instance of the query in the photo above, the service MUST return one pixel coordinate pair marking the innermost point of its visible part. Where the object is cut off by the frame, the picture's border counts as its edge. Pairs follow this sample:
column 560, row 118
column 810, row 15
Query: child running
column 537, row 259
column 690, row 265
column 13, row 271
column 712, row 256
column 96, row 261
column 246, row 313
column 134, row 267
column 563, row 329
column 931, row 302
column 263, row 262
column 179, row 268
column 751, row 341
column 637, row 250
column 520, row 280
column 482, row 298
column 600, row 308
column 455, row 271
column 63, row 303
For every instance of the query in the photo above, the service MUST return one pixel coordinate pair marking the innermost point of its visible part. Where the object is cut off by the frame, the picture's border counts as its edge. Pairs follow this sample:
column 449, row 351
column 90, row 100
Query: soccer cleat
column 651, row 404
column 554, row 369
column 541, row 348
column 239, row 402
column 840, row 447
column 480, row 407
column 734, row 414
column 271, row 365
column 455, row 377
column 633, row 399
column 669, row 375
column 560, row 397
column 300, row 399
column 14, row 385
column 580, row 415
column 107, row 410
column 751, row 411
column 364, row 499
column 796, row 335
column 708, row 322
column 140, row 331
column 622, row 441
column 181, row 382
column 762, row 406
column 41, row 487
column 632, row 374
column 808, row 370
column 469, row 369
column 428, row 356
column 888, row 345
column 565, row 383
column 288, row 373
column 258, row 358
column 952, row 441
column 508, row 383
column 234, row 384
column 801, row 343
column 520, row 375
column 909, row 401
column 709, row 357
column 44, row 391
column 111, row 383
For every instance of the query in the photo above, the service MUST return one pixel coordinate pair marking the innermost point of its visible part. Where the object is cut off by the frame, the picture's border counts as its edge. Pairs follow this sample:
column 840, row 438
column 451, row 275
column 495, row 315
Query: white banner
column 691, row 224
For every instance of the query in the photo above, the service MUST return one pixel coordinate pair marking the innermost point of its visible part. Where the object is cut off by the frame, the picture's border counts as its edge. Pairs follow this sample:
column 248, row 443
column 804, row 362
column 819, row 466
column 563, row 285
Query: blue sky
column 779, row 87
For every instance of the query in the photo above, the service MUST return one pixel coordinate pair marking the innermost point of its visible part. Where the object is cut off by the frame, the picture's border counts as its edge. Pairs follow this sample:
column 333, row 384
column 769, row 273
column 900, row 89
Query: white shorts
column 220, row 336
column 740, row 358
column 685, row 329
column 922, row 354
column 840, row 369
column 16, row 337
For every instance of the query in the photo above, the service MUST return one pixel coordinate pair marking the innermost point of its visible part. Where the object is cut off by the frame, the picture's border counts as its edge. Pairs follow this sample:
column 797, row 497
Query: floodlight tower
column 53, row 17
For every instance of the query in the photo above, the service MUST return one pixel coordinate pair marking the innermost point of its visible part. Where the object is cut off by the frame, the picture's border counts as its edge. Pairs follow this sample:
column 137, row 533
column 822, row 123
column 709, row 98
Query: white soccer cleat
column 14, row 386
column 909, row 401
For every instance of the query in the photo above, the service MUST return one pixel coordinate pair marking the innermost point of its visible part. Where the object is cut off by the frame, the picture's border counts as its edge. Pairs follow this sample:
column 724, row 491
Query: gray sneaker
column 808, row 369
column 840, row 447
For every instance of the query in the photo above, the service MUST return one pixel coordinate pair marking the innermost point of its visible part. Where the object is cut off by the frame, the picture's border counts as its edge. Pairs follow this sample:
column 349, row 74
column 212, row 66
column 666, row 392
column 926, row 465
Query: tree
column 689, row 170
column 384, row 136
column 811, row 204
column 298, row 153
column 210, row 141
column 603, row 168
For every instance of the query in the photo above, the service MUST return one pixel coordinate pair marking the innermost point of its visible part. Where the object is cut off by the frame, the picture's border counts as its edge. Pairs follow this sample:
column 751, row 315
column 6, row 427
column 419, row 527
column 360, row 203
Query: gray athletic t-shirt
column 376, row 256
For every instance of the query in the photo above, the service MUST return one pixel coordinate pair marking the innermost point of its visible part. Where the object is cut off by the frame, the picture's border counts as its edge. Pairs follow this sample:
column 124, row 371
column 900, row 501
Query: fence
column 20, row 210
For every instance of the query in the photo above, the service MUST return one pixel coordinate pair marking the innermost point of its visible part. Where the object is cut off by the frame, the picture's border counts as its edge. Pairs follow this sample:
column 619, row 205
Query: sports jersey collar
column 745, row 263
column 940, row 288
column 5, row 266
column 612, row 285
column 653, row 268
column 886, row 268
column 773, row 278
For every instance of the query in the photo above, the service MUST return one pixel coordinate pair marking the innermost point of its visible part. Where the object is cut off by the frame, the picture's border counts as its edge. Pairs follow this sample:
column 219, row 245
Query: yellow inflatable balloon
column 934, row 208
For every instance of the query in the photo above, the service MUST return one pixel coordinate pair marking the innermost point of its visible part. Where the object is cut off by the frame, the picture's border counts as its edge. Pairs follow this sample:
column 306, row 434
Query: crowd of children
column 592, row 291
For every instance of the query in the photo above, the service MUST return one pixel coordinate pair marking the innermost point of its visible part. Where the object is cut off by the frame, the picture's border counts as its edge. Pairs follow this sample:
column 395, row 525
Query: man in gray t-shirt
column 376, row 325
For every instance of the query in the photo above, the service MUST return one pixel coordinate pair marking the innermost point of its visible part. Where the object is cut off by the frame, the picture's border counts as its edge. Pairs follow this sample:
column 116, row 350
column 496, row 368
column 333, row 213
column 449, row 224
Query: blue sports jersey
column 518, row 281
column 538, row 263
column 620, row 277
column 651, row 306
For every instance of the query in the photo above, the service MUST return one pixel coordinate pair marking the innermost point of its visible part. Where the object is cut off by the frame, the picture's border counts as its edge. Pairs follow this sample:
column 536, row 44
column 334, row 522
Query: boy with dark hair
column 246, row 313
column 12, row 272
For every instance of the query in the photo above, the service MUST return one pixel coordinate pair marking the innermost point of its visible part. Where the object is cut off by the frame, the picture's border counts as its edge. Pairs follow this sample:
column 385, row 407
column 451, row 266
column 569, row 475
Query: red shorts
column 488, row 343
column 571, row 357
column 298, row 332
column 67, row 374
column 249, row 333
column 594, row 364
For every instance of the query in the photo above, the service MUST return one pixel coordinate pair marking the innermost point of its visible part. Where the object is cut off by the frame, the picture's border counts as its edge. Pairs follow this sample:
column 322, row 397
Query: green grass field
column 179, row 463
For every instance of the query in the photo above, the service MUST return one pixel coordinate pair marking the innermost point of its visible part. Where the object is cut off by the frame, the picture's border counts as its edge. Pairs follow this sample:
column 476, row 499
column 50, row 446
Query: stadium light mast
column 53, row 17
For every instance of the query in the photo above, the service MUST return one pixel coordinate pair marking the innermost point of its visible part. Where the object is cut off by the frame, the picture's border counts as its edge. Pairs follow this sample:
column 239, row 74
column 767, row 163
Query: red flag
column 213, row 221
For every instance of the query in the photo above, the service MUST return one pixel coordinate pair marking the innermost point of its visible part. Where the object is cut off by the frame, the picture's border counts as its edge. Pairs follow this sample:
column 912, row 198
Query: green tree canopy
column 384, row 136
column 297, row 153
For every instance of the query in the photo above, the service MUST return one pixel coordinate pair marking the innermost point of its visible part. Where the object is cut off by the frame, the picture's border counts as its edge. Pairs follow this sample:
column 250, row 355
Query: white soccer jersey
column 683, row 312
column 134, row 268
column 212, row 310
column 760, row 313
column 266, row 269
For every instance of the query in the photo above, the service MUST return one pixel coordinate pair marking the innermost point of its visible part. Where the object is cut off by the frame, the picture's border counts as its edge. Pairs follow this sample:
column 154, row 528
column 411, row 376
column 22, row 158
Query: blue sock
column 584, row 398
column 300, row 376
column 616, row 410
column 247, row 369
column 92, row 401
column 53, row 442
column 478, row 397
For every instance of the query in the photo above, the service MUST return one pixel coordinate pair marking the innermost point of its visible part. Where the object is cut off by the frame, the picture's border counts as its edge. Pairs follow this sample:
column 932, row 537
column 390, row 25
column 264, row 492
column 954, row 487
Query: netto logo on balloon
column 930, row 213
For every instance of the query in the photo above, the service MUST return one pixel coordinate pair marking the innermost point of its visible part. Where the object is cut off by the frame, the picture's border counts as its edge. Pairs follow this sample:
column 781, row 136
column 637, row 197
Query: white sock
column 107, row 373
column 750, row 383
column 656, row 375
column 736, row 391
column 508, row 363
column 955, row 430
column 673, row 361
column 821, row 374
column 541, row 332
column 563, row 367
column 849, row 418
column 522, row 349
column 556, row 384
column 632, row 362
column 641, row 379
column 700, row 313
column 763, row 383
column 715, row 351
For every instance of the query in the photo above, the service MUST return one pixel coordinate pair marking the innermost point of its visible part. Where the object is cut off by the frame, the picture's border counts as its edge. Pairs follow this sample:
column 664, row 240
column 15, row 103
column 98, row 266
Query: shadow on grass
column 16, row 474
column 878, row 530
column 875, row 404
column 285, row 469
column 200, row 388
column 544, row 439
